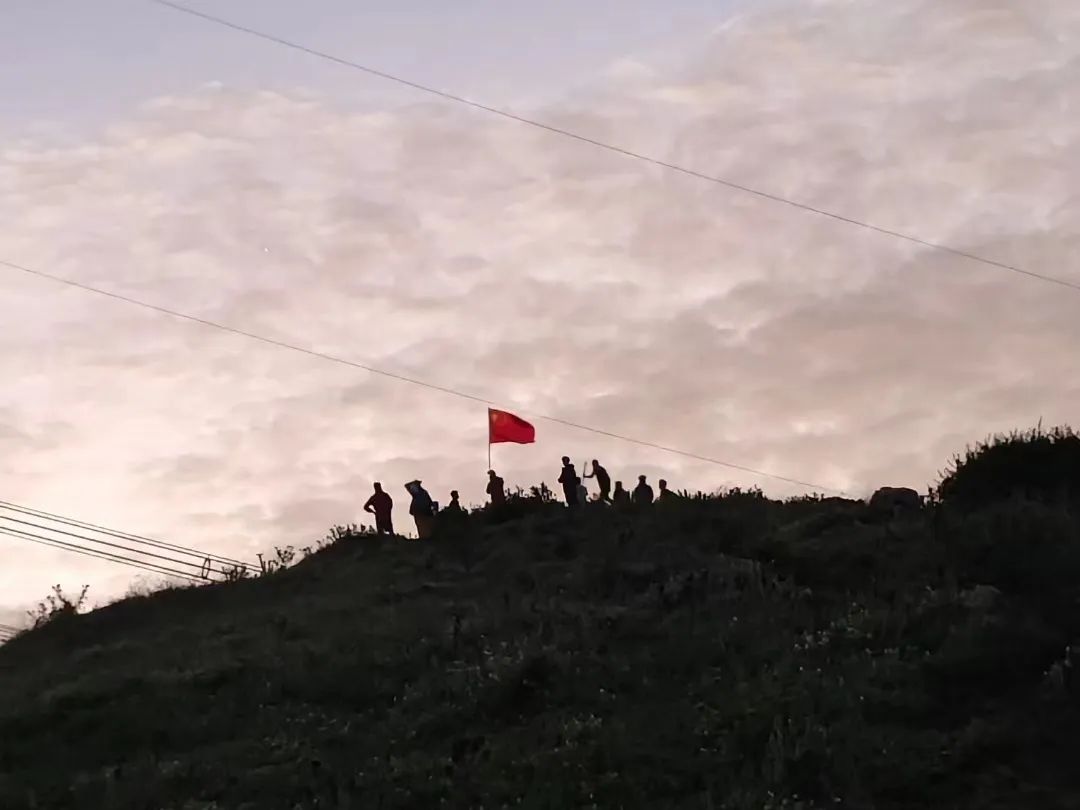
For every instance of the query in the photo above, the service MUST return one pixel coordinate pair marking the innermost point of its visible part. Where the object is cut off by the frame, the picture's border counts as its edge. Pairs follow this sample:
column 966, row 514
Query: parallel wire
column 133, row 563
column 84, row 538
column 135, row 538
column 938, row 246
column 410, row 380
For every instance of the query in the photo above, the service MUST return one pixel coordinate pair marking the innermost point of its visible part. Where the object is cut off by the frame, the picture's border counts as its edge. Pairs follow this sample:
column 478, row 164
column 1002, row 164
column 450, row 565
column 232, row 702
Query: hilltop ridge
column 722, row 651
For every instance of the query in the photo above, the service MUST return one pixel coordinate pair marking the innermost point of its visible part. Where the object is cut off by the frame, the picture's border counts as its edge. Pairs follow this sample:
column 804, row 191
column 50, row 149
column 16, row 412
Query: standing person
column 496, row 489
column 381, row 505
column 452, row 518
column 621, row 497
column 569, row 480
column 666, row 495
column 422, row 509
column 643, row 494
column 603, row 480
column 582, row 493
column 455, row 505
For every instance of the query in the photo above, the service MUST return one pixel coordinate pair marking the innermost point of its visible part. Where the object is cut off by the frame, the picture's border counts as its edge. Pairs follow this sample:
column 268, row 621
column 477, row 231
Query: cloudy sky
column 160, row 157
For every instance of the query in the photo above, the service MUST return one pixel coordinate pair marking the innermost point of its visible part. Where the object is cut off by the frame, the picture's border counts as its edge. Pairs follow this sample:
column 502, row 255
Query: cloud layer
column 549, row 276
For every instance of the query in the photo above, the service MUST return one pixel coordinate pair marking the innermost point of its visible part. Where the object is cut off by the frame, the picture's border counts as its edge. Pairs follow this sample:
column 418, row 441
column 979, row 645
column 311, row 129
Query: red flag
column 505, row 427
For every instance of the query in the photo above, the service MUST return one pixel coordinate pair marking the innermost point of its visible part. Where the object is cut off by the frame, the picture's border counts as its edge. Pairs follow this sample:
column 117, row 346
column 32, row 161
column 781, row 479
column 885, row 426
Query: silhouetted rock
column 894, row 499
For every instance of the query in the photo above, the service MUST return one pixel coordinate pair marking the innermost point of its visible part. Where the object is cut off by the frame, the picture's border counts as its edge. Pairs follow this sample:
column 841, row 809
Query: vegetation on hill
column 1036, row 464
column 724, row 651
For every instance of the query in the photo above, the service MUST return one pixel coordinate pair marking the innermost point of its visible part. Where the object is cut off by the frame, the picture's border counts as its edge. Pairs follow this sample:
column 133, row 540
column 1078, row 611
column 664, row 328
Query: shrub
column 1035, row 464
column 1025, row 548
column 282, row 559
column 57, row 605
column 234, row 573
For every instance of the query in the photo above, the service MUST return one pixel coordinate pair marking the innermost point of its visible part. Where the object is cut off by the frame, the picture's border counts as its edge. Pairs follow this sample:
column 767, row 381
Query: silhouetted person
column 582, row 493
column 603, row 480
column 454, row 506
column 643, row 494
column 452, row 518
column 666, row 495
column 496, row 489
column 569, row 480
column 422, row 509
column 381, row 505
column 621, row 496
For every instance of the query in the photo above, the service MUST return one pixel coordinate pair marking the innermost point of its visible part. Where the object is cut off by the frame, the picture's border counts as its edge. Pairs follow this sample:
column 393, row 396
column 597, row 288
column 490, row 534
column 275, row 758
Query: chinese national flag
column 505, row 427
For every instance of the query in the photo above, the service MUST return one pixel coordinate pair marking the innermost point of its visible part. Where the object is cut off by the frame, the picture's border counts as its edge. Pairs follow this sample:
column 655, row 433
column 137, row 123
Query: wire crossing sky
column 410, row 380
column 622, row 151
column 131, row 550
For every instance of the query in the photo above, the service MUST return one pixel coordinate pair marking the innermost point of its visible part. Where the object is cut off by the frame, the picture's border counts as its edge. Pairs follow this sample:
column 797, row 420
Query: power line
column 106, row 543
column 205, row 564
column 618, row 149
column 103, row 555
column 156, row 568
column 135, row 538
column 411, row 380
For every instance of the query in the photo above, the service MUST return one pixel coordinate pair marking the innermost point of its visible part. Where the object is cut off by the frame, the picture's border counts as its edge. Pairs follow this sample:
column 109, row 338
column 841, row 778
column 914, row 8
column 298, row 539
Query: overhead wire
column 558, row 131
column 173, row 560
column 89, row 552
column 135, row 538
column 410, row 380
column 503, row 113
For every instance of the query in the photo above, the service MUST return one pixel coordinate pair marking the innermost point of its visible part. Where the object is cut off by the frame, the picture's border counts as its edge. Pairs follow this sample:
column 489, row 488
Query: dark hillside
column 721, row 652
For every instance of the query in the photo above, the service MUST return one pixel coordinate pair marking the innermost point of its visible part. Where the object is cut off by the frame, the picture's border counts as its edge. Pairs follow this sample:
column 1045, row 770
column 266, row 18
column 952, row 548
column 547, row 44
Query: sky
column 160, row 157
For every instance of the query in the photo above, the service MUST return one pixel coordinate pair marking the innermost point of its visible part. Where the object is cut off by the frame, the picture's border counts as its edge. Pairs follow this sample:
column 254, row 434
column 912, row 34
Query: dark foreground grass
column 728, row 652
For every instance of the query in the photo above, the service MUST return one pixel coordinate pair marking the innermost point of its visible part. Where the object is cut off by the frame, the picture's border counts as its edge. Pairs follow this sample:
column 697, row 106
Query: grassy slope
column 730, row 652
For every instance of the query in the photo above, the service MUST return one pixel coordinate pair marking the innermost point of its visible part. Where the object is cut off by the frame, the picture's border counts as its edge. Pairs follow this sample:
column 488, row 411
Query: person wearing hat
column 422, row 509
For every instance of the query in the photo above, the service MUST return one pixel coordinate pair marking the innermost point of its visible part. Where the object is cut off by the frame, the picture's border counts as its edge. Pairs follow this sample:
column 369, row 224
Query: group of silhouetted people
column 575, row 493
column 424, row 510
column 421, row 507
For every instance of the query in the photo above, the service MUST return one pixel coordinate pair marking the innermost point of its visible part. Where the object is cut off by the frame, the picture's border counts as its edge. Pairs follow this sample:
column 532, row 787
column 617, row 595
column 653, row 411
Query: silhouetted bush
column 1035, row 464
column 58, row 605
column 520, row 504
